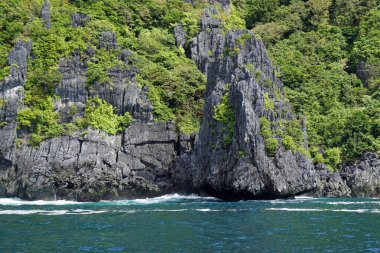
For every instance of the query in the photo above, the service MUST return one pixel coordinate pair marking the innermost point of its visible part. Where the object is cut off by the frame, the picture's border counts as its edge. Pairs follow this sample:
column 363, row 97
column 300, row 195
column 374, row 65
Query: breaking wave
column 324, row 210
column 48, row 212
column 146, row 201
column 19, row 202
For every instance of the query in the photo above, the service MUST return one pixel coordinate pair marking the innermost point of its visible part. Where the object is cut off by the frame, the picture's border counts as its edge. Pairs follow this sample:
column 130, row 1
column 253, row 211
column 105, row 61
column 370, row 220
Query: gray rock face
column 11, row 95
column 363, row 178
column 97, row 166
column 124, row 93
column 240, row 169
column 45, row 14
column 107, row 40
column 79, row 19
column 331, row 184
column 180, row 36
column 150, row 158
column 225, row 3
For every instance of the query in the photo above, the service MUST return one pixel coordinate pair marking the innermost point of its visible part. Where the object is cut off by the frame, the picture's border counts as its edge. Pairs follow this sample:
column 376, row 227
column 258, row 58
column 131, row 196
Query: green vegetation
column 100, row 115
column 230, row 20
column 14, row 15
column 98, row 66
column 271, row 143
column 286, row 132
column 241, row 154
column 289, row 143
column 145, row 28
column 328, row 51
column 4, row 72
column 176, row 87
column 241, row 39
column 42, row 120
column 249, row 67
column 224, row 114
column 3, row 102
column 268, row 103
column 258, row 74
column 323, row 47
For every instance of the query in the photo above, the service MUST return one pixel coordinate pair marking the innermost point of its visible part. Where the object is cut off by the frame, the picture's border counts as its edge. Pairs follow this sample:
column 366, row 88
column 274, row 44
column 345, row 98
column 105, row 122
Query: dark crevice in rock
column 123, row 144
column 177, row 146
column 152, row 143
column 123, row 102
column 80, row 145
column 107, row 163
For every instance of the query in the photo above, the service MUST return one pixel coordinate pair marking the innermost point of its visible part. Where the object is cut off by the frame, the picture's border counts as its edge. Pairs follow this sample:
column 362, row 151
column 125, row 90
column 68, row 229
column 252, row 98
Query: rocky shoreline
column 149, row 158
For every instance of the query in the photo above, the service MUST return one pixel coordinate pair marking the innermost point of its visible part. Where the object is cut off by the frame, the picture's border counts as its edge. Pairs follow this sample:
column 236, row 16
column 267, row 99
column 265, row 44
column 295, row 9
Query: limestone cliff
column 250, row 144
column 238, row 166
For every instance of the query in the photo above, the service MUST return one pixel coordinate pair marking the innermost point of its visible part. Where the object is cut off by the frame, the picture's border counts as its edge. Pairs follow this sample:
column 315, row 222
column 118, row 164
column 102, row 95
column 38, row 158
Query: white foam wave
column 88, row 212
column 156, row 200
column 274, row 202
column 206, row 210
column 49, row 212
column 54, row 212
column 164, row 198
column 303, row 197
column 19, row 202
column 80, row 210
column 168, row 210
column 324, row 210
column 353, row 203
column 296, row 209
column 352, row 210
column 19, row 212
column 296, row 199
column 127, row 211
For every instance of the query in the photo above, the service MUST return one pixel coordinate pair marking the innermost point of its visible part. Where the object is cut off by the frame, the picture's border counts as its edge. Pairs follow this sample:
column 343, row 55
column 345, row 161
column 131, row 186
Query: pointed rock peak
column 208, row 22
column 45, row 14
column 180, row 36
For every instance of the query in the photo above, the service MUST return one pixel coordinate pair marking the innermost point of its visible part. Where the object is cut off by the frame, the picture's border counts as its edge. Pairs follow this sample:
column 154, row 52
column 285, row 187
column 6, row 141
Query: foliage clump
column 100, row 115
column 271, row 143
column 268, row 103
column 224, row 114
column 41, row 119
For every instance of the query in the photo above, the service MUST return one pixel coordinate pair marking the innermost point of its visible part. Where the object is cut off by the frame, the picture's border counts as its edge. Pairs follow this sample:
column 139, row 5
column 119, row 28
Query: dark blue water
column 191, row 224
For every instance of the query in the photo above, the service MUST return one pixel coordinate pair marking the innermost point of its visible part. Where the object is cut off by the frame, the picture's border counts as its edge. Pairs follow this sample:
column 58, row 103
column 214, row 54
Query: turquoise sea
column 175, row 223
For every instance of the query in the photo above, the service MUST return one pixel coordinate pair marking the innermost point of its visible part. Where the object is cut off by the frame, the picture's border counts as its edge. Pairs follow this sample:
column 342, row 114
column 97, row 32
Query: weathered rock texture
column 45, row 14
column 330, row 184
column 240, row 169
column 151, row 158
column 124, row 93
column 107, row 40
column 11, row 95
column 79, row 19
column 363, row 177
column 180, row 36
column 97, row 166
